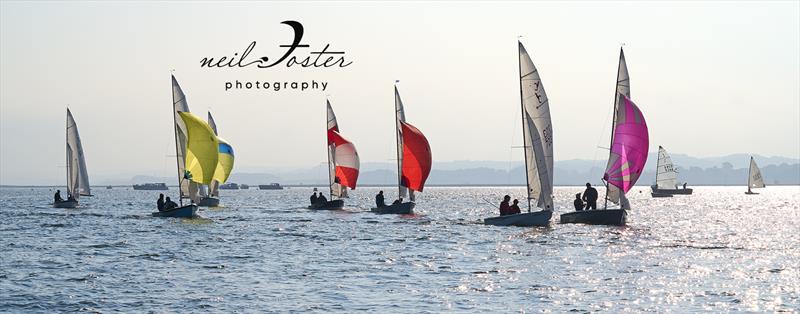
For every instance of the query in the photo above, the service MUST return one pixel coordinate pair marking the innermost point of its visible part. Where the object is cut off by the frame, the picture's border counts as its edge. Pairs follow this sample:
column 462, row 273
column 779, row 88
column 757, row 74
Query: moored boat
column 271, row 186
column 413, row 162
column 230, row 186
column 537, row 131
column 151, row 187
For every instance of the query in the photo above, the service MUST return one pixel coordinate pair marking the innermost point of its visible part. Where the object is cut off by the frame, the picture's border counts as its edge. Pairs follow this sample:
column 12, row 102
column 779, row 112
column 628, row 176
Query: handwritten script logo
column 318, row 59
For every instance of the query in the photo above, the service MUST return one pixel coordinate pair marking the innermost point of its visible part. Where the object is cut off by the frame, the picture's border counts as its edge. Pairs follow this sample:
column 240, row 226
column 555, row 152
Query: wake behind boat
column 413, row 163
column 343, row 165
column 627, row 156
column 77, row 175
column 537, row 130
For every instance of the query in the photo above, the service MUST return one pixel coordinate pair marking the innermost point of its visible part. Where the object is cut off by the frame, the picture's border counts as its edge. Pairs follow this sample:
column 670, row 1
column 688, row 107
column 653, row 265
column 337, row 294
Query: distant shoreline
column 376, row 185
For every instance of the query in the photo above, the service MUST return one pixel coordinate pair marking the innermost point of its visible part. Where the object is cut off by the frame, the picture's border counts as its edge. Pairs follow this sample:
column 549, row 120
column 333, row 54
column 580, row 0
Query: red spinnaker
column 345, row 159
column 416, row 158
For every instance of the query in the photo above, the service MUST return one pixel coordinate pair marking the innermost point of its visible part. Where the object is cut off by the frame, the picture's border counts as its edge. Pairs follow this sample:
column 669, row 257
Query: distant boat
column 413, row 162
column 754, row 179
column 343, row 164
column 271, row 186
column 666, row 177
column 627, row 156
column 537, row 130
column 77, row 176
column 209, row 195
column 109, row 187
column 229, row 186
column 244, row 187
column 151, row 186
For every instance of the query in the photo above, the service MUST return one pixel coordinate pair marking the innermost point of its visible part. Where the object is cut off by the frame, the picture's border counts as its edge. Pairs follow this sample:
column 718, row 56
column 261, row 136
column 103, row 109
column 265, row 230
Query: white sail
column 623, row 87
column 400, row 115
column 77, row 175
column 755, row 180
column 537, row 129
column 187, row 189
column 666, row 174
column 213, row 188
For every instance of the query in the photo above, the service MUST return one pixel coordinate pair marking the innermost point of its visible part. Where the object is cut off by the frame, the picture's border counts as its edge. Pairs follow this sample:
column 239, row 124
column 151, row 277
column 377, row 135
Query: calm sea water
column 717, row 250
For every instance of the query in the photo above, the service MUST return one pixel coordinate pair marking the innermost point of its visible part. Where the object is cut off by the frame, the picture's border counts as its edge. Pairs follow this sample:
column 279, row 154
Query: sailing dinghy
column 754, row 179
column 77, row 176
column 223, row 170
column 343, row 165
column 413, row 162
column 666, row 177
column 627, row 156
column 537, row 129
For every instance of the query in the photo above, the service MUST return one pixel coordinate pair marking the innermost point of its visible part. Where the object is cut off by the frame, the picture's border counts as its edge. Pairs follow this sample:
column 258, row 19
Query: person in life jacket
column 505, row 209
column 515, row 208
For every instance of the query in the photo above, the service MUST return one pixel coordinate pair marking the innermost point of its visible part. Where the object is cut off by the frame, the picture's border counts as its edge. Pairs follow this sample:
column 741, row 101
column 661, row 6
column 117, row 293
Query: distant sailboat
column 77, row 176
column 413, row 162
column 343, row 164
column 224, row 168
column 537, row 131
column 666, row 177
column 627, row 156
column 754, row 179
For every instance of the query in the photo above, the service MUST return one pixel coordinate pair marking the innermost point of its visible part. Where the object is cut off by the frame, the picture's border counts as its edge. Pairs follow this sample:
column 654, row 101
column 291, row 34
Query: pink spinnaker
column 629, row 147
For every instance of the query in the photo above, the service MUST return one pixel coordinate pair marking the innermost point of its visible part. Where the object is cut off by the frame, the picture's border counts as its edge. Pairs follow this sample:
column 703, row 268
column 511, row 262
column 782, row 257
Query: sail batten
column 537, row 132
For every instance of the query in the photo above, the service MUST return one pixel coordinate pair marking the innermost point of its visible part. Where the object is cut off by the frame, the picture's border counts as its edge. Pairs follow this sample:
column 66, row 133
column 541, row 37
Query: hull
column 65, row 204
column 540, row 218
column 397, row 209
column 750, row 193
column 150, row 187
column 609, row 217
column 270, row 187
column 329, row 205
column 187, row 211
column 208, row 202
column 654, row 194
column 672, row 191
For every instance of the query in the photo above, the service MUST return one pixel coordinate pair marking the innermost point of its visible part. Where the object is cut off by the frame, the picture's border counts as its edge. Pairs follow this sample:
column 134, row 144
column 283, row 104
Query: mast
column 177, row 153
column 328, row 150
column 66, row 150
column 397, row 137
column 614, row 119
column 524, row 146
column 749, row 173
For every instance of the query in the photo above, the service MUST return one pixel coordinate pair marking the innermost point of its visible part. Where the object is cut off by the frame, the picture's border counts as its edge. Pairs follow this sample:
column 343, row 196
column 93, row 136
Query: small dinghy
column 754, row 179
column 396, row 209
column 627, row 156
column 537, row 130
column 657, row 195
column 343, row 164
column 329, row 205
column 186, row 211
column 413, row 162
column 667, row 177
column 208, row 201
column 609, row 217
column 210, row 197
column 77, row 175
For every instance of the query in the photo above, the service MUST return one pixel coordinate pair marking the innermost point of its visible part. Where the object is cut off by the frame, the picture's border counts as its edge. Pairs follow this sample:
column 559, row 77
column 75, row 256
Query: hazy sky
column 712, row 78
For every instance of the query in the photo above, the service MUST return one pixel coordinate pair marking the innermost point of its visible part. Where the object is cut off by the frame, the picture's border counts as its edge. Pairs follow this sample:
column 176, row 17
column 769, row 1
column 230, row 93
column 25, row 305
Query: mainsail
column 754, row 178
column 537, row 130
column 629, row 146
column 225, row 163
column 413, row 154
column 188, row 189
column 666, row 174
column 343, row 161
column 202, row 147
column 77, row 176
column 623, row 87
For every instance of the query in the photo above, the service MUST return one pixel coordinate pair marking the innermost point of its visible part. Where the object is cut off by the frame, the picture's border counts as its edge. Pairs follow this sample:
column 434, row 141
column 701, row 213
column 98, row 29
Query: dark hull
column 270, row 187
column 329, row 205
column 397, row 209
column 654, row 194
column 65, row 204
column 540, row 218
column 672, row 191
column 187, row 211
column 208, row 202
column 150, row 188
column 610, row 217
column 750, row 193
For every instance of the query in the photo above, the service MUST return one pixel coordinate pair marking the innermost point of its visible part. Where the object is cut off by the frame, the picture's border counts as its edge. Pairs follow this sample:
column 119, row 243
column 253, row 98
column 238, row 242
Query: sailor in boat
column 684, row 185
column 160, row 202
column 314, row 197
column 578, row 202
column 505, row 209
column 398, row 201
column 379, row 201
column 322, row 199
column 57, row 198
column 590, row 197
column 170, row 204
column 515, row 208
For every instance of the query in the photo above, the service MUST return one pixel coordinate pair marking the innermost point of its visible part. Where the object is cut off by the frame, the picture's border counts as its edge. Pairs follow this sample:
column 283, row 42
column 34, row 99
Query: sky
column 712, row 78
